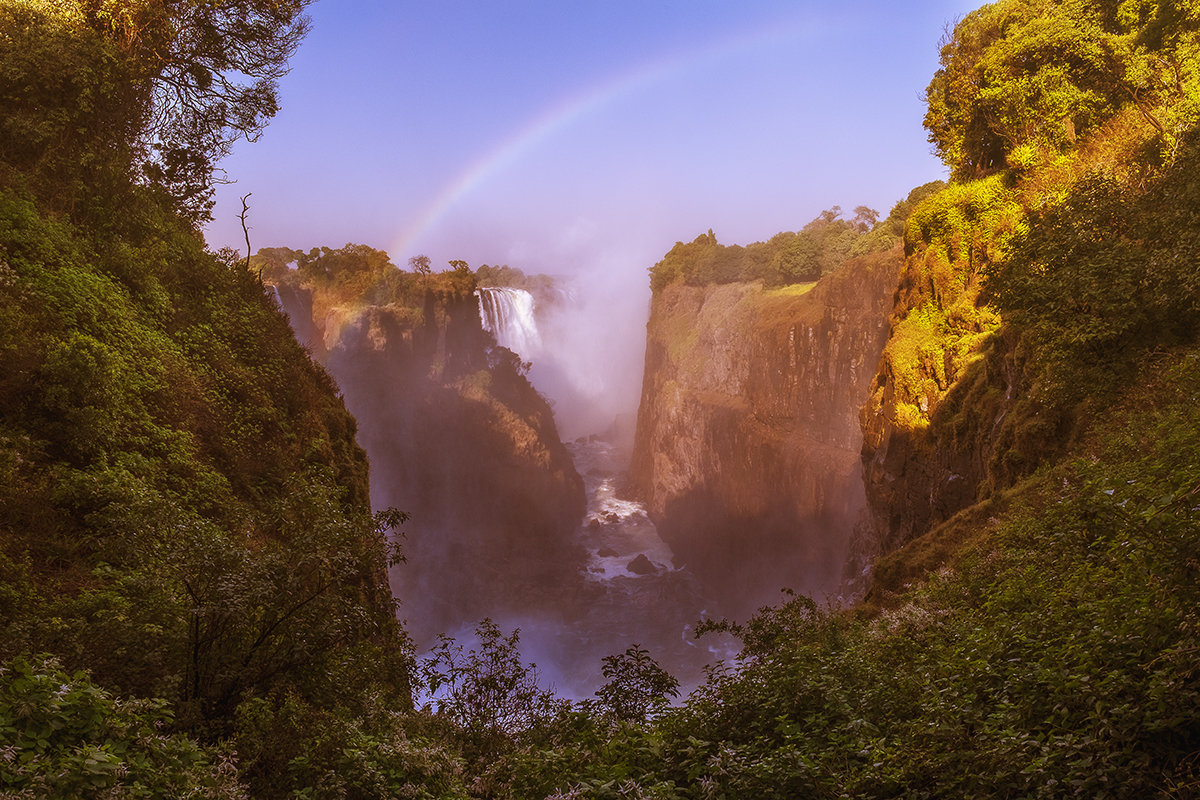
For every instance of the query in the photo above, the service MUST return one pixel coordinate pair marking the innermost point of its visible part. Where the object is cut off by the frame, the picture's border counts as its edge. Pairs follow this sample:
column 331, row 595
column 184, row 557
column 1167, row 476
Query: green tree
column 156, row 88
column 1021, row 72
column 637, row 687
column 798, row 259
column 1022, row 79
column 865, row 218
column 63, row 736
column 419, row 264
column 209, row 75
column 487, row 691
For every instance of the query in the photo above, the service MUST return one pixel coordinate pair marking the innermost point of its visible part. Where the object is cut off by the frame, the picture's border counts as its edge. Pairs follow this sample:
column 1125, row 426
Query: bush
column 62, row 736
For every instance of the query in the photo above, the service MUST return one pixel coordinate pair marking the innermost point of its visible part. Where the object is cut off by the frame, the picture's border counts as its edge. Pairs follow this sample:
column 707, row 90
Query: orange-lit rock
column 749, row 438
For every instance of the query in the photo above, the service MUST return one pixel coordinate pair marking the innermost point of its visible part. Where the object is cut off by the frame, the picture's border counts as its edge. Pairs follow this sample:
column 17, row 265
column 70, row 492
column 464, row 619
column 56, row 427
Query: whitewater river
column 630, row 592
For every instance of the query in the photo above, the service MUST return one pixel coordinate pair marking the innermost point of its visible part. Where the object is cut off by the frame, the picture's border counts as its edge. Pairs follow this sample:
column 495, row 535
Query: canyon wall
column 949, row 417
column 458, row 439
column 748, row 445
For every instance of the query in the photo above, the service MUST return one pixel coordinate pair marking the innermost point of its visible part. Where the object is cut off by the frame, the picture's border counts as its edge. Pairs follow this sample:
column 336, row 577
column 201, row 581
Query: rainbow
column 562, row 115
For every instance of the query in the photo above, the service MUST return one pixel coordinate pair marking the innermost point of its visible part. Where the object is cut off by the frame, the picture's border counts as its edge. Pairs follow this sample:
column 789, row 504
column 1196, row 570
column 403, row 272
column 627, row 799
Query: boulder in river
column 642, row 566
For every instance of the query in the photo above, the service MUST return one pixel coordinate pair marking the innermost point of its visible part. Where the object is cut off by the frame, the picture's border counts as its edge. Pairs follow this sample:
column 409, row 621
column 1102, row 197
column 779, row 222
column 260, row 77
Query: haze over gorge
column 737, row 476
column 443, row 394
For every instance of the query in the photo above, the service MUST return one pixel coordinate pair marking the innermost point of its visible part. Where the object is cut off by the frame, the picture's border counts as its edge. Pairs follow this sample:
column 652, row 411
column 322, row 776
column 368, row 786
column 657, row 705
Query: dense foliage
column 789, row 257
column 94, row 93
column 357, row 275
column 66, row 737
column 1022, row 80
column 183, row 508
column 1080, row 245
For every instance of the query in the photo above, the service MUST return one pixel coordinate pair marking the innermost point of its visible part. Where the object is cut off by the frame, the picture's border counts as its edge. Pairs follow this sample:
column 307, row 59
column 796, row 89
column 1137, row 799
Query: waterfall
column 507, row 314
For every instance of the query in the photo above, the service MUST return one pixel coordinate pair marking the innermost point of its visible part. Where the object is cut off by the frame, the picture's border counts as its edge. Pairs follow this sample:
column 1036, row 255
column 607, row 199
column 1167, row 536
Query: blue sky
column 585, row 138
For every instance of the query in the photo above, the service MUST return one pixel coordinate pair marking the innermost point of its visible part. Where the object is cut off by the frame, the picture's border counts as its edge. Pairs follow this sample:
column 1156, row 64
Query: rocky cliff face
column 458, row 439
column 947, row 417
column 748, row 441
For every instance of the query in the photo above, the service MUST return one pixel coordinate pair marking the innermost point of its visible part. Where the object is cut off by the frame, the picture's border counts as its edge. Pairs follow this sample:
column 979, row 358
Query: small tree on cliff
column 419, row 264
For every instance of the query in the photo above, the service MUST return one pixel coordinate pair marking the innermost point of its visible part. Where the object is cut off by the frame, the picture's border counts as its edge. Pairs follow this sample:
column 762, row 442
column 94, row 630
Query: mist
column 590, row 364
column 517, row 471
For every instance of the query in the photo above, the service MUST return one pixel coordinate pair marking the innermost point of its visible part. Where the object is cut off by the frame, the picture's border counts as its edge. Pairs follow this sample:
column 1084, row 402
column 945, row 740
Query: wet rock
column 642, row 566
column 607, row 552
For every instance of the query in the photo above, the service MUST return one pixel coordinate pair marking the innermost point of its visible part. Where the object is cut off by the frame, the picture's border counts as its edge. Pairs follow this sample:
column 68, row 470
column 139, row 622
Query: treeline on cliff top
column 182, row 510
column 801, row 256
column 360, row 274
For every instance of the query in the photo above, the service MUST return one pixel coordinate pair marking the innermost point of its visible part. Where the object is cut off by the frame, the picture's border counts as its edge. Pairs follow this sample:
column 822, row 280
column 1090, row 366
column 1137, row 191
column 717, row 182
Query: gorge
column 743, row 476
column 748, row 440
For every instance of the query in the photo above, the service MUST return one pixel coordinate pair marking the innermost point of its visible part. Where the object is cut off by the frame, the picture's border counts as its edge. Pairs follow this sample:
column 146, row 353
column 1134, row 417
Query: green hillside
column 183, row 508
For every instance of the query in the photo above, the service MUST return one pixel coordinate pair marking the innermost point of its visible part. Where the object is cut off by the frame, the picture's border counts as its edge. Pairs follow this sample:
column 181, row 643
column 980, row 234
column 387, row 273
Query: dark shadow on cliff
column 744, row 561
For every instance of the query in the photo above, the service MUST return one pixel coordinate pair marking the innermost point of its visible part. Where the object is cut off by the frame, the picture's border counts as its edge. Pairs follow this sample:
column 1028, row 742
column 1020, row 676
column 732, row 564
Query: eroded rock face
column 938, row 426
column 748, row 442
column 459, row 440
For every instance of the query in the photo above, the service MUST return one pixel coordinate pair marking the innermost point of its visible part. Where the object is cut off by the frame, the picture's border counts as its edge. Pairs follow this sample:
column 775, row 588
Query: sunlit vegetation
column 792, row 290
column 1068, row 125
column 356, row 275
column 787, row 258
column 193, row 598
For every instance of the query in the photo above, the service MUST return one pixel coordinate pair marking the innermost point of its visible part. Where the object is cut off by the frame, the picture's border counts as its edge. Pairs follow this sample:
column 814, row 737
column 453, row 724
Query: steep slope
column 188, row 560
column 457, row 437
column 1035, row 283
column 748, row 439
column 183, row 509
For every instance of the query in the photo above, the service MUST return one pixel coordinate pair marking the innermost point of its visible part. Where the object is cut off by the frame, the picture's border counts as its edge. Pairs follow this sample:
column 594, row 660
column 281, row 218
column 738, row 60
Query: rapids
column 616, row 607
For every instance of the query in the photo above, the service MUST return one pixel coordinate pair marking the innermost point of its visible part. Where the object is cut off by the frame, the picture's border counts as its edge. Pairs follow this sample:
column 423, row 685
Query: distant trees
column 419, row 264
column 865, row 218
column 503, row 275
column 351, row 263
column 357, row 273
column 801, row 256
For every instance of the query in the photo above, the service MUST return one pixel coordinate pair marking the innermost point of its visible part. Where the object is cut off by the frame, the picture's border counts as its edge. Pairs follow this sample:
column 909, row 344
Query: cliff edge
column 457, row 438
column 748, row 441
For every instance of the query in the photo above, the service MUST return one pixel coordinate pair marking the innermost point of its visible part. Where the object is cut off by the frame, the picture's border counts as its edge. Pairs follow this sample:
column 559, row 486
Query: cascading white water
column 507, row 314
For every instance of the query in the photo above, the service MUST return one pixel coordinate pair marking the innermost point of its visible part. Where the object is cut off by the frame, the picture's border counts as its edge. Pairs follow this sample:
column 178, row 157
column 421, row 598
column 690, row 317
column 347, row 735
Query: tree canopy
column 155, row 89
column 1023, row 79
column 818, row 248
